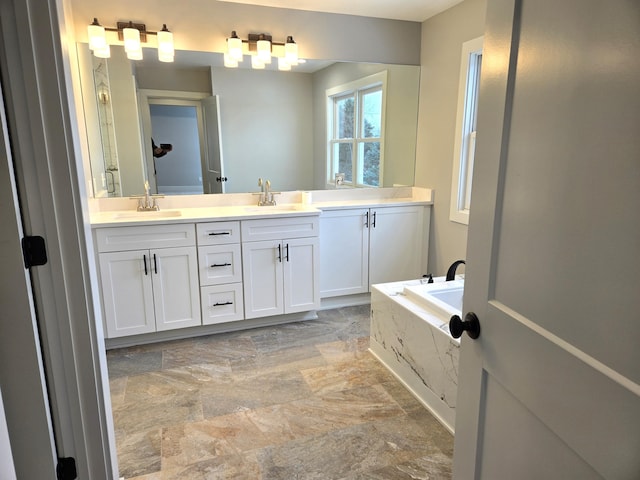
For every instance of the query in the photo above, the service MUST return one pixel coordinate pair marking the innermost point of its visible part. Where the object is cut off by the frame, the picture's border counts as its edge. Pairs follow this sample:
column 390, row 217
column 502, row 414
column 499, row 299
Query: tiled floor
column 298, row 401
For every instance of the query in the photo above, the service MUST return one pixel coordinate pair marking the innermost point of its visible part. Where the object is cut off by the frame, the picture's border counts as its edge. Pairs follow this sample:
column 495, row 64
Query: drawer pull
column 220, row 265
column 219, row 233
column 217, row 304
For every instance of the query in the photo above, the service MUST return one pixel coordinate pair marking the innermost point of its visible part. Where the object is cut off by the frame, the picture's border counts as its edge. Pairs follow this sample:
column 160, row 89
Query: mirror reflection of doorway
column 189, row 122
column 179, row 171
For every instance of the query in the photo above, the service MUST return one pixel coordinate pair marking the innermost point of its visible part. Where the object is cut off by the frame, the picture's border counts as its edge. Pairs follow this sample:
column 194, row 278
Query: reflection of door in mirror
column 189, row 122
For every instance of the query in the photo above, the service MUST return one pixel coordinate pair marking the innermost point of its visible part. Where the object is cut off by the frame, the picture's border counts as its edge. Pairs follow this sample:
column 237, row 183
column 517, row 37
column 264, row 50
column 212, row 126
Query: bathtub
column 410, row 337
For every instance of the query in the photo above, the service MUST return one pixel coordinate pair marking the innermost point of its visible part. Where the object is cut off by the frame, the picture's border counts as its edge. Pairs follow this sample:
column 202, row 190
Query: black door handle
column 155, row 263
column 471, row 324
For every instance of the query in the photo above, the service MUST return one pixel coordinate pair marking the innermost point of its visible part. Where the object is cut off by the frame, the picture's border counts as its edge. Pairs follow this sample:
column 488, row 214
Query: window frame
column 355, row 89
column 465, row 136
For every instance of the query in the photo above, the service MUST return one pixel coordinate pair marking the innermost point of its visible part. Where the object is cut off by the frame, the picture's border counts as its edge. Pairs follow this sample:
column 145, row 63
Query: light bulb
column 165, row 45
column 97, row 36
column 131, row 38
column 234, row 47
column 291, row 51
column 264, row 49
column 104, row 52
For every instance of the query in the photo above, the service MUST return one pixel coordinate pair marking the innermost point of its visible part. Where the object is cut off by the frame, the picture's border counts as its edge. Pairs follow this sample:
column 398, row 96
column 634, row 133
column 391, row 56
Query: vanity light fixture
column 261, row 48
column 133, row 35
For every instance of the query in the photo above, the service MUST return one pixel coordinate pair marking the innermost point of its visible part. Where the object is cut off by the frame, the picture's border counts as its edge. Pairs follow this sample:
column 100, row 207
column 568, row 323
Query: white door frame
column 35, row 68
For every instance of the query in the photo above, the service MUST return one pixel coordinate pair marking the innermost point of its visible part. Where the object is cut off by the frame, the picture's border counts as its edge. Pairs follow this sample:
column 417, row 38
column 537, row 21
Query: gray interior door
column 551, row 388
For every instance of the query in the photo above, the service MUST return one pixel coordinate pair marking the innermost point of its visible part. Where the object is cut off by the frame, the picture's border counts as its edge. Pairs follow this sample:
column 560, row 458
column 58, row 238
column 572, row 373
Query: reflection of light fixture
column 261, row 48
column 132, row 35
column 256, row 63
column 283, row 65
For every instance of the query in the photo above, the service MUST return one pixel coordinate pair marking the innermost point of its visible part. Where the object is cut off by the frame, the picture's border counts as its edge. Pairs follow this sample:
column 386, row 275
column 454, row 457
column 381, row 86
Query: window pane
column 344, row 153
column 372, row 114
column 371, row 163
column 344, row 107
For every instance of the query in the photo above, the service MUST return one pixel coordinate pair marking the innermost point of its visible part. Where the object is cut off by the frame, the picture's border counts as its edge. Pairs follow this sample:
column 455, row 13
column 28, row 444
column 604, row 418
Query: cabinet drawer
column 220, row 264
column 218, row 233
column 222, row 303
column 117, row 239
column 279, row 228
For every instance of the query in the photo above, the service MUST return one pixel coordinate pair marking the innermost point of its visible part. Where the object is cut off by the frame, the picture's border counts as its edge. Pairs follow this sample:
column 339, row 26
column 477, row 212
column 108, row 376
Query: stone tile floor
column 298, row 401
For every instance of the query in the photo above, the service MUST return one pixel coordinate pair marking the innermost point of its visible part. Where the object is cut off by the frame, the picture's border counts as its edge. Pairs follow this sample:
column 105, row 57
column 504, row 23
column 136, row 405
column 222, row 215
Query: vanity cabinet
column 149, row 278
column 280, row 265
column 364, row 246
column 220, row 271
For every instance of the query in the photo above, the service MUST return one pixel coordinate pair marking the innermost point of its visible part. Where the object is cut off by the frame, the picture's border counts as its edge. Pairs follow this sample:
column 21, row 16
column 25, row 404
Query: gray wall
column 442, row 39
column 266, row 128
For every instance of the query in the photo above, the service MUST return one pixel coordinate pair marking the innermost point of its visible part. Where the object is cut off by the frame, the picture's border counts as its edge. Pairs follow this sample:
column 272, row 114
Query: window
column 465, row 140
column 355, row 126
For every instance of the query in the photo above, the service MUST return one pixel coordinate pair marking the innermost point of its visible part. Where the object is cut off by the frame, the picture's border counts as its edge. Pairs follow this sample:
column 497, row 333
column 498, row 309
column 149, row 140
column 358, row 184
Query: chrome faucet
column 266, row 195
column 451, row 273
column 148, row 202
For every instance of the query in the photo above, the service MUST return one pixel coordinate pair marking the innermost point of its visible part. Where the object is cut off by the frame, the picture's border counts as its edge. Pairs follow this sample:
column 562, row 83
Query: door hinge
column 66, row 469
column 34, row 251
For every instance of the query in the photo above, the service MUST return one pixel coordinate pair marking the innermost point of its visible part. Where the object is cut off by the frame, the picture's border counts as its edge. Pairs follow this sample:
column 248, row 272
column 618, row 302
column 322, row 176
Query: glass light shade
column 230, row 62
column 283, row 65
column 291, row 51
column 165, row 45
column 256, row 63
column 264, row 51
column 234, row 47
column 135, row 54
column 104, row 52
column 97, row 36
column 131, row 39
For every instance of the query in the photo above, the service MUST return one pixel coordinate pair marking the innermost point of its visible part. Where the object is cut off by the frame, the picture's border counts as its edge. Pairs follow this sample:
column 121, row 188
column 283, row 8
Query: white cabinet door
column 396, row 243
column 301, row 274
column 262, row 276
column 176, row 290
column 344, row 261
column 127, row 293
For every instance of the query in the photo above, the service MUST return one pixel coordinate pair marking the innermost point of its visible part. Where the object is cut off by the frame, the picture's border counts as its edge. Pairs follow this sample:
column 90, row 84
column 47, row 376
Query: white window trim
column 463, row 167
column 377, row 79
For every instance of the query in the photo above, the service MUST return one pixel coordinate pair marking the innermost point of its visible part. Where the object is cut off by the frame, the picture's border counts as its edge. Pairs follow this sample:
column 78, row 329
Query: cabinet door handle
column 280, row 253
column 373, row 224
column 220, row 233
column 217, row 304
column 220, row 265
column 366, row 220
column 287, row 247
column 144, row 260
column 155, row 263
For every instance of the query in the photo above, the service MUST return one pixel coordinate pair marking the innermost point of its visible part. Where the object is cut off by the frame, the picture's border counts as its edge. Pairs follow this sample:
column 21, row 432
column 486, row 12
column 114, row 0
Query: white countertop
column 202, row 208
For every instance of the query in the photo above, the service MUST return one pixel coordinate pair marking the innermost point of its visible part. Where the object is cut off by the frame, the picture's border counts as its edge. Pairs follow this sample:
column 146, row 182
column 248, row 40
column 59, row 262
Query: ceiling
column 411, row 10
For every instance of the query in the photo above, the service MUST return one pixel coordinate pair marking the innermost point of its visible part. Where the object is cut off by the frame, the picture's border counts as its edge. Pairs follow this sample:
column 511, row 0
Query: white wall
column 442, row 39
column 266, row 128
column 400, row 129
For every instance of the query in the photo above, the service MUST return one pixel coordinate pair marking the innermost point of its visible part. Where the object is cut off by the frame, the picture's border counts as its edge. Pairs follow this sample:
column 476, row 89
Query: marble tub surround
column 303, row 400
column 414, row 343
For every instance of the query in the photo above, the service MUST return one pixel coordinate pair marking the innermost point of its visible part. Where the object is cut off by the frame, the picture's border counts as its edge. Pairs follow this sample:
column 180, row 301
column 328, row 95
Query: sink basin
column 136, row 215
column 272, row 208
column 444, row 298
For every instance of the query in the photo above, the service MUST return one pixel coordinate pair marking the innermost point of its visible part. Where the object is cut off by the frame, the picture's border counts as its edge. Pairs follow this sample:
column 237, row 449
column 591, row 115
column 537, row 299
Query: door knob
column 471, row 324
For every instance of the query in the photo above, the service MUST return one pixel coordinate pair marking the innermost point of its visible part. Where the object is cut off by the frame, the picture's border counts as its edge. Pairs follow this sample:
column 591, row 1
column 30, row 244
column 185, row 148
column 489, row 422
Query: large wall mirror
column 227, row 127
